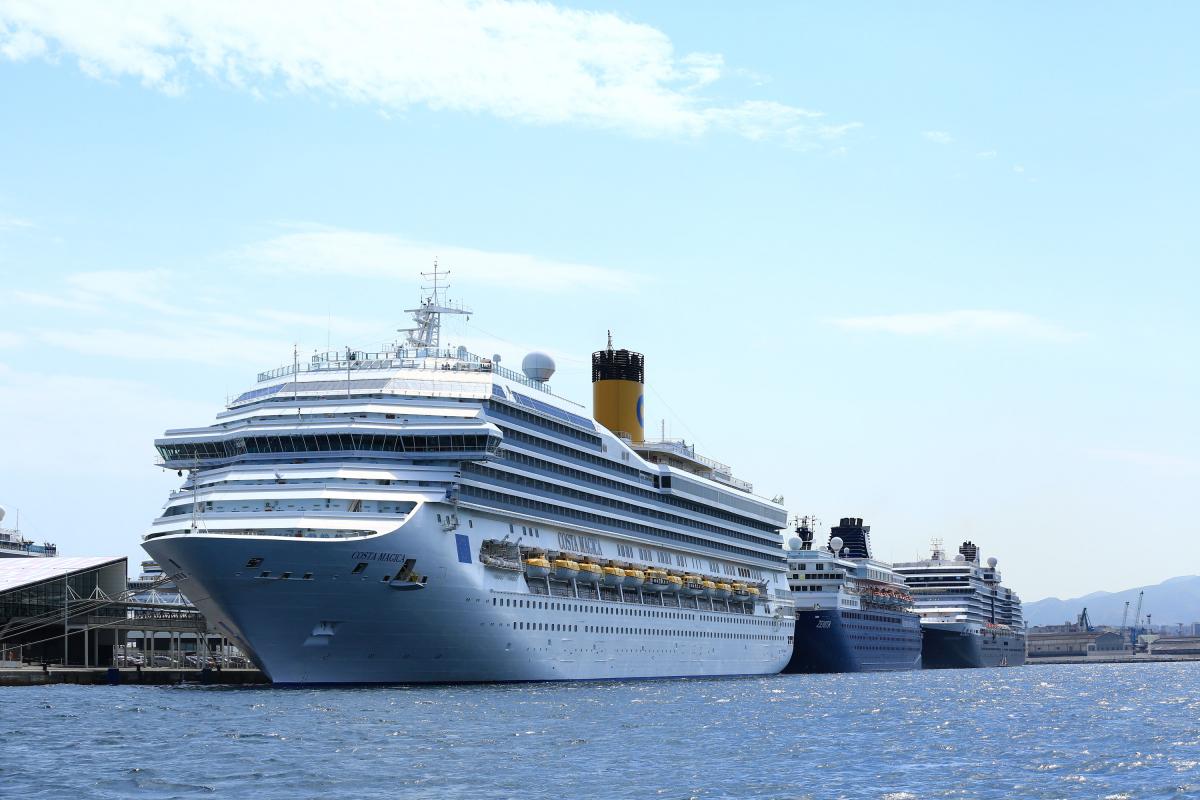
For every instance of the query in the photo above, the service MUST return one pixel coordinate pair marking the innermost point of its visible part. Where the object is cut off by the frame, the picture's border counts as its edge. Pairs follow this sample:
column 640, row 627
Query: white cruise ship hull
column 466, row 623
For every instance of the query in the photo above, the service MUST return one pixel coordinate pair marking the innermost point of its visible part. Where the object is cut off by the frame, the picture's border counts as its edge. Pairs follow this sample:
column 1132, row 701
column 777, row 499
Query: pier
column 133, row 676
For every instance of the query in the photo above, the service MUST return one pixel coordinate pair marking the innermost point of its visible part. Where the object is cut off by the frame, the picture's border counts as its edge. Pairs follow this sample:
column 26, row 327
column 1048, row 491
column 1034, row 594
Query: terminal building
column 1056, row 643
column 59, row 610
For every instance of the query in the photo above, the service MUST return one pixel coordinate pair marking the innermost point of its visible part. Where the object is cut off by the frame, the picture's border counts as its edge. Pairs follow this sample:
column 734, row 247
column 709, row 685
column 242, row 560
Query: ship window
column 359, row 567
column 286, row 575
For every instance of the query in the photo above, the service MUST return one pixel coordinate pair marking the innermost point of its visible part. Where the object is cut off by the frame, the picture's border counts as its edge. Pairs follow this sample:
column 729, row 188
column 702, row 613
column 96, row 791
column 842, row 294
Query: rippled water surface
column 1103, row 731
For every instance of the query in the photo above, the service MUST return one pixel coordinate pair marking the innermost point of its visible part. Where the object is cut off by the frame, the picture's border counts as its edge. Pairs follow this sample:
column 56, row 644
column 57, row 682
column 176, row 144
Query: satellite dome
column 835, row 544
column 960, row 557
column 3, row 511
column 794, row 543
column 537, row 366
column 992, row 562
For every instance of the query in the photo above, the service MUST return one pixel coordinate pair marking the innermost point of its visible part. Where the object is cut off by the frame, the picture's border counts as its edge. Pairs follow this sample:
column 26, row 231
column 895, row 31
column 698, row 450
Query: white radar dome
column 960, row 557
column 537, row 367
column 794, row 543
column 992, row 562
column 835, row 544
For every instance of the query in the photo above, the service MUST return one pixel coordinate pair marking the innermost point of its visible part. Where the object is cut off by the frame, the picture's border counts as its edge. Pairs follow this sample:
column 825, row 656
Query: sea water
column 1064, row 731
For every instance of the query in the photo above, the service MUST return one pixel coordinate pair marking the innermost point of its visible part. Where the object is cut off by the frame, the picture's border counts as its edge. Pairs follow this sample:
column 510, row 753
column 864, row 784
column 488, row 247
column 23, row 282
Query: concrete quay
column 1116, row 658
column 132, row 676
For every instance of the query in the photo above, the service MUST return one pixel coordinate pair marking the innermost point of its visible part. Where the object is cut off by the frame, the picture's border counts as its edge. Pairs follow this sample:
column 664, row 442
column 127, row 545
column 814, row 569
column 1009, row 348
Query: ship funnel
column 856, row 536
column 970, row 551
column 617, row 384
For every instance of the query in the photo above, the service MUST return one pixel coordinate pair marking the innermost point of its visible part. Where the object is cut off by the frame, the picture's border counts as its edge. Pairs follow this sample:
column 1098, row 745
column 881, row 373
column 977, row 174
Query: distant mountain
column 1173, row 600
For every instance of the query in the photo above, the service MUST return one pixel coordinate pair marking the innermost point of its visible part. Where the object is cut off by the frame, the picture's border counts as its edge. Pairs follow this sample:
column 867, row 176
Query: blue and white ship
column 853, row 613
column 422, row 514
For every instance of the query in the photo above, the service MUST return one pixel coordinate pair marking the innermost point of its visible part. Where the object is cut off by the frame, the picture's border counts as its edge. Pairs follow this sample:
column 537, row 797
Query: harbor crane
column 1137, row 615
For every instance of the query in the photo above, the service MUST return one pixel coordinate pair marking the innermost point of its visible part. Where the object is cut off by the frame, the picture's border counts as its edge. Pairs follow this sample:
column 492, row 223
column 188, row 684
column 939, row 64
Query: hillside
column 1173, row 600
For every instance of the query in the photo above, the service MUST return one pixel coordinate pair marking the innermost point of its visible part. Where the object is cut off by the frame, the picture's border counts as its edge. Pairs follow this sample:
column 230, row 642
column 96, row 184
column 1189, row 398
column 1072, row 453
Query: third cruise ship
column 969, row 618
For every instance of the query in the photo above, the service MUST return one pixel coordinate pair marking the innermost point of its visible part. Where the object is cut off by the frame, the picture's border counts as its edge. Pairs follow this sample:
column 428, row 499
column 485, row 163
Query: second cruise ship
column 422, row 514
column 853, row 613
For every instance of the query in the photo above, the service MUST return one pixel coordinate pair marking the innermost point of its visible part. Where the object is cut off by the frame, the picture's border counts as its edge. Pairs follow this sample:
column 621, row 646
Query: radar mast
column 428, row 317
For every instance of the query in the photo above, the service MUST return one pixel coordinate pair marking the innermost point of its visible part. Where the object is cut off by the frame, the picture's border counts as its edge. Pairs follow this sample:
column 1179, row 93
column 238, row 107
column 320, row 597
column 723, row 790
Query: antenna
column 610, row 339
column 428, row 316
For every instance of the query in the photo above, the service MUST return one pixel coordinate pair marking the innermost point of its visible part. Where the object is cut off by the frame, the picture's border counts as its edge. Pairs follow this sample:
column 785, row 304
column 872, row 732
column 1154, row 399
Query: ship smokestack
column 970, row 551
column 618, row 377
column 855, row 536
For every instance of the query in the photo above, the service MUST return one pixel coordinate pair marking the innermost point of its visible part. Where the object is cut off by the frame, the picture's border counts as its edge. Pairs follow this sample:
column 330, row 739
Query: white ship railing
column 425, row 358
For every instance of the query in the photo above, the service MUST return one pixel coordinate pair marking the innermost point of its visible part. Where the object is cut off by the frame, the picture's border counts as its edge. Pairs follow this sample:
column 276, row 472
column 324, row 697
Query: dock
column 1115, row 658
column 130, row 676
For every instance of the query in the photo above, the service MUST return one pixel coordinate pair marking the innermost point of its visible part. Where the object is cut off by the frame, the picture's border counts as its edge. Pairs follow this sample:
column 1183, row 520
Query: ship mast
column 428, row 316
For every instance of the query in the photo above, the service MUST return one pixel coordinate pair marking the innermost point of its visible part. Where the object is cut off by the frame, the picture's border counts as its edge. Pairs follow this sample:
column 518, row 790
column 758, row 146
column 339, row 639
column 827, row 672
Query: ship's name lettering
column 580, row 544
column 369, row 555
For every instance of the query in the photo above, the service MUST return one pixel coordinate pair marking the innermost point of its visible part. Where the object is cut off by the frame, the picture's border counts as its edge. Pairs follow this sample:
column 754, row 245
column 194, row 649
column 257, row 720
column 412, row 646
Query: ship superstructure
column 421, row 514
column 970, row 619
column 13, row 544
column 853, row 612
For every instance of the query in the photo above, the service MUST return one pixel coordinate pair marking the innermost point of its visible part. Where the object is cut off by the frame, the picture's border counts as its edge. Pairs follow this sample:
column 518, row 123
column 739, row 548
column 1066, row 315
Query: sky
column 933, row 265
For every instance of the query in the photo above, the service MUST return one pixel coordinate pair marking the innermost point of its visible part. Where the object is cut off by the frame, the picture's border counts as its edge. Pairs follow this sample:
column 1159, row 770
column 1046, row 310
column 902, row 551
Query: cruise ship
column 423, row 514
column 14, row 545
column 853, row 613
column 969, row 619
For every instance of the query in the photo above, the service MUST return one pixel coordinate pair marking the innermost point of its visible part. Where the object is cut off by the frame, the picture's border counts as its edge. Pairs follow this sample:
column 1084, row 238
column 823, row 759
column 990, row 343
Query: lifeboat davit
column 634, row 578
column 565, row 569
column 537, row 567
column 589, row 573
column 614, row 576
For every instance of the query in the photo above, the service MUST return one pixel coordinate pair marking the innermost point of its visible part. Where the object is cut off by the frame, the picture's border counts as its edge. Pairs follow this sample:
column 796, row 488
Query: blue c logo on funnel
column 640, row 404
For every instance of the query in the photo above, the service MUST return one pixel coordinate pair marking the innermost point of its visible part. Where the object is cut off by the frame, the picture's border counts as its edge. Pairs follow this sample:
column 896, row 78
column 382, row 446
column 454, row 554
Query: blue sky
column 933, row 265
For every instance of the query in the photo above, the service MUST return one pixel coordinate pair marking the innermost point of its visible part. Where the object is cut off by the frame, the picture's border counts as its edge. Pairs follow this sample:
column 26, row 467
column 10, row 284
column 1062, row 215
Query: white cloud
column 377, row 255
column 938, row 137
column 1142, row 458
column 986, row 154
column 163, row 342
column 1018, row 168
column 9, row 339
column 12, row 223
column 1014, row 323
column 525, row 61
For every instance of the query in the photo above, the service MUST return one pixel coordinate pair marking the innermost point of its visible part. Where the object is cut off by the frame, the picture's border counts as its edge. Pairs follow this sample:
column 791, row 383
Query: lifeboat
column 693, row 585
column 537, row 567
column 589, row 573
column 634, row 578
column 565, row 569
column 724, row 590
column 656, row 579
column 613, row 576
column 710, row 588
column 673, row 585
column 754, row 592
column 740, row 592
